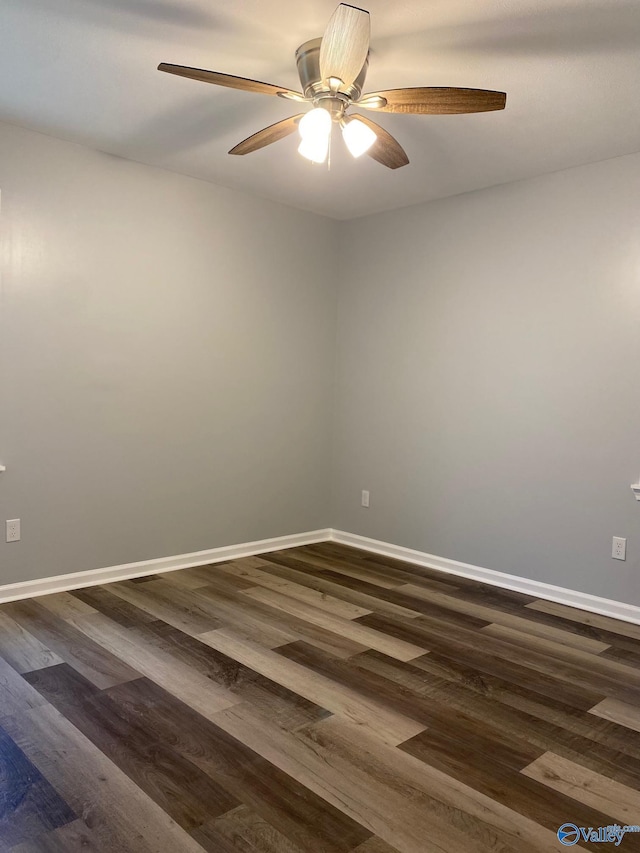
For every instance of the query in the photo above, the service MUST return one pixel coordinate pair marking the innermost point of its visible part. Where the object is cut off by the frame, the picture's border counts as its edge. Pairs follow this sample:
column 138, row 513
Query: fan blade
column 345, row 44
column 385, row 149
column 270, row 134
column 436, row 101
column 229, row 80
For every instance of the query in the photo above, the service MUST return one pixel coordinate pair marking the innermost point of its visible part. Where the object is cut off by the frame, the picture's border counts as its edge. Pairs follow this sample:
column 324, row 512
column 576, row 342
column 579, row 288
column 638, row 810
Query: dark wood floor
column 316, row 700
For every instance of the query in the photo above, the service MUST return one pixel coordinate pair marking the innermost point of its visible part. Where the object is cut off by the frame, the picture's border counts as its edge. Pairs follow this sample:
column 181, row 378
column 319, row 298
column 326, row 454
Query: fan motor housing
column 308, row 61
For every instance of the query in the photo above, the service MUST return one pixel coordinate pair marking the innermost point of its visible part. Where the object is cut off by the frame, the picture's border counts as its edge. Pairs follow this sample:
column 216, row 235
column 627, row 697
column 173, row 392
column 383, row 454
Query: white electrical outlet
column 619, row 549
column 365, row 498
column 13, row 530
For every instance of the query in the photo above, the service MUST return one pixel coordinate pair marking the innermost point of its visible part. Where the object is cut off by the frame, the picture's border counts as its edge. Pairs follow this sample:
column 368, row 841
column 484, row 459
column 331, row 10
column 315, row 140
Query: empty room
column 319, row 426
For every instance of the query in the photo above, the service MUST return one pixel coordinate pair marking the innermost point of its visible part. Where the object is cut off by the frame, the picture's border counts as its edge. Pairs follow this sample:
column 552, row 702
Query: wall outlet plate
column 13, row 530
column 365, row 498
column 619, row 548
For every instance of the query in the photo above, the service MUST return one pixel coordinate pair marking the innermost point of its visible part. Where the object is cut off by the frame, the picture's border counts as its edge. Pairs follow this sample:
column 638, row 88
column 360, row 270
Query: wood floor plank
column 422, row 605
column 596, row 663
column 65, row 605
column 508, row 620
column 197, row 690
column 388, row 570
column 186, row 580
column 283, row 802
column 467, row 808
column 362, row 634
column 75, row 837
column 375, row 845
column 244, row 830
column 523, row 796
column 551, row 713
column 270, row 639
column 460, row 662
column 323, row 601
column 606, row 676
column 195, row 577
column 247, row 623
column 583, row 617
column 359, row 796
column 616, row 641
column 603, row 747
column 294, row 570
column 120, row 813
column 292, row 625
column 29, row 805
column 626, row 656
column 451, row 583
column 619, row 712
column 174, row 606
column 21, row 649
column 91, row 659
column 105, row 602
column 16, row 695
column 458, row 583
column 482, row 739
column 592, row 789
column 391, row 727
column 184, row 792
column 398, row 815
column 343, row 567
column 286, row 707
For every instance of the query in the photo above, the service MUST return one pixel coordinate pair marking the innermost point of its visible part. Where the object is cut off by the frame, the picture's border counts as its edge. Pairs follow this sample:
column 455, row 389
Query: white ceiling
column 85, row 70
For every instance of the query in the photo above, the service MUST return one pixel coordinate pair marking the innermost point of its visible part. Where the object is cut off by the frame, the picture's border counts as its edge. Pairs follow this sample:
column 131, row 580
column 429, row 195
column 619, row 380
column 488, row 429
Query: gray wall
column 168, row 363
column 488, row 389
column 166, row 349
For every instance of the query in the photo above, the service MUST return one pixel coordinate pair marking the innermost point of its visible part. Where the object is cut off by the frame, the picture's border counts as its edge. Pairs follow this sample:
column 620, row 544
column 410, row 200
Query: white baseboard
column 93, row 577
column 538, row 589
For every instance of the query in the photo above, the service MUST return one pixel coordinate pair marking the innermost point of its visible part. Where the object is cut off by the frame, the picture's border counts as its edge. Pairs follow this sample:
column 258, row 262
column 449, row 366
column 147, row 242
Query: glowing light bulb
column 358, row 137
column 315, row 150
column 316, row 122
column 315, row 130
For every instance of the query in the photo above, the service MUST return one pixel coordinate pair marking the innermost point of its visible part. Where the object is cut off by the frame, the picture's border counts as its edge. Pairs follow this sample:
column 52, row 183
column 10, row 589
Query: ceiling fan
column 332, row 72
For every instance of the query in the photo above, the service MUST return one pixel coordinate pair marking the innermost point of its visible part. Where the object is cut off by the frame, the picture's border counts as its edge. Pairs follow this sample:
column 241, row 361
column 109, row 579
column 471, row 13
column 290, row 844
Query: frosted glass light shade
column 315, row 148
column 315, row 130
column 358, row 137
column 315, row 123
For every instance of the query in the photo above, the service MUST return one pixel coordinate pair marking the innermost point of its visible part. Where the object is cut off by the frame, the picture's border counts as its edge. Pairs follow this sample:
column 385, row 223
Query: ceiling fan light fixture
column 332, row 71
column 358, row 137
